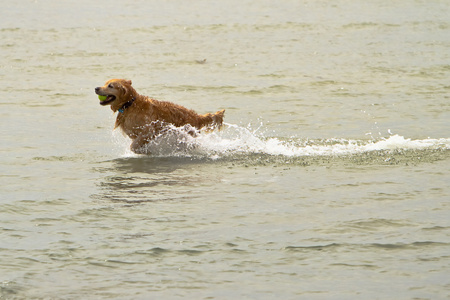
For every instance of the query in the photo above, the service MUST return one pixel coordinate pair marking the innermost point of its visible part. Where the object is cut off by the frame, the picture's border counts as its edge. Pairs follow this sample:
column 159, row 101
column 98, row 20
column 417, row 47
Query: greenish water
column 329, row 180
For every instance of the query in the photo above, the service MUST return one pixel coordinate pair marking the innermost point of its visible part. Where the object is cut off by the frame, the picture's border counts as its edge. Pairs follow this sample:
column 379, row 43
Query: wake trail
column 235, row 140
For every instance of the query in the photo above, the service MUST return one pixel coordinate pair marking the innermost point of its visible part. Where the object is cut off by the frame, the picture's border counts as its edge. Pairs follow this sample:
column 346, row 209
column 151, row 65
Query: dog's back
column 171, row 113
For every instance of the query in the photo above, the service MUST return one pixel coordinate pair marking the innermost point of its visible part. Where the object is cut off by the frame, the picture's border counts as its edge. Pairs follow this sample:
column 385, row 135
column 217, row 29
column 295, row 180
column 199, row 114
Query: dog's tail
column 218, row 118
column 212, row 121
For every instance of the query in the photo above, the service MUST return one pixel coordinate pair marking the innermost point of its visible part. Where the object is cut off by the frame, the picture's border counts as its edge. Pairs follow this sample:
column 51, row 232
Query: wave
column 243, row 140
column 237, row 141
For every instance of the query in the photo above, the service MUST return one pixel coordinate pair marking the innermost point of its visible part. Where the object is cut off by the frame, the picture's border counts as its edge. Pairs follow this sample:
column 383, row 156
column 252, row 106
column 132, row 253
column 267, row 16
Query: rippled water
column 330, row 179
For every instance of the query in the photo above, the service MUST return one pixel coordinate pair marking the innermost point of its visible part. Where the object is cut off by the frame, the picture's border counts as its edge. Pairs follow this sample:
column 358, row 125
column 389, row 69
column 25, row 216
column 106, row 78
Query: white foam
column 236, row 140
column 399, row 142
column 248, row 142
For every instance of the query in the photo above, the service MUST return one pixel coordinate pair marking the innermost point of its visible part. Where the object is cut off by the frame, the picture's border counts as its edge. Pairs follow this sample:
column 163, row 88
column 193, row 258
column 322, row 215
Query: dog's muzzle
column 109, row 98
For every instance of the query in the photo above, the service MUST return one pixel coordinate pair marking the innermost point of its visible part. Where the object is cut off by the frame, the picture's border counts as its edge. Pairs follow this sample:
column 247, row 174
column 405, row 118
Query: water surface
column 329, row 180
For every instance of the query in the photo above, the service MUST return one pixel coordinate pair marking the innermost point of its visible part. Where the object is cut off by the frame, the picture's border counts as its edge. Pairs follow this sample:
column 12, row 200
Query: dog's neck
column 126, row 105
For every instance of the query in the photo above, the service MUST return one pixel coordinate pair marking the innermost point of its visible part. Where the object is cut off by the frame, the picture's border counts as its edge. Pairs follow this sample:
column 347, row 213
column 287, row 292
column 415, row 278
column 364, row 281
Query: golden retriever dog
column 143, row 118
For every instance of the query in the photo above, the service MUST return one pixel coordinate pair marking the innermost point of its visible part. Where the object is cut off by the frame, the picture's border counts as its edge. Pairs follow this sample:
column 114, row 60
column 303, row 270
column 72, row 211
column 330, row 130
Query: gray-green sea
column 330, row 179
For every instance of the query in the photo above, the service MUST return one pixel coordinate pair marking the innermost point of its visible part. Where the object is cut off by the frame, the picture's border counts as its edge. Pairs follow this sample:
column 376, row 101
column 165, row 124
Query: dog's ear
column 124, row 88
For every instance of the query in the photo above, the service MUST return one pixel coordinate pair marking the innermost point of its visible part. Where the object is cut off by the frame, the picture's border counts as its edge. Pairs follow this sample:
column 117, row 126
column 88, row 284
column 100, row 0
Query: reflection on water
column 151, row 165
column 144, row 179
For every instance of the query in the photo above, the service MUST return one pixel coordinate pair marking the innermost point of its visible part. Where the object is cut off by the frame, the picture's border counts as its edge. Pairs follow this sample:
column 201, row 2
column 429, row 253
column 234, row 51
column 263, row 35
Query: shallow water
column 329, row 180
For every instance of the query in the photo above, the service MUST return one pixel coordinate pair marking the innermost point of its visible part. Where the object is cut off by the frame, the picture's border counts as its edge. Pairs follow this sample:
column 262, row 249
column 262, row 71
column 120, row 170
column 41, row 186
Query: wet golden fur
column 143, row 118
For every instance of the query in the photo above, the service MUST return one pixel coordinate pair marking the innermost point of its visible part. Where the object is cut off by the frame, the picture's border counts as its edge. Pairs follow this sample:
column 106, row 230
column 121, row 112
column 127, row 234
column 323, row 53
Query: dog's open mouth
column 108, row 100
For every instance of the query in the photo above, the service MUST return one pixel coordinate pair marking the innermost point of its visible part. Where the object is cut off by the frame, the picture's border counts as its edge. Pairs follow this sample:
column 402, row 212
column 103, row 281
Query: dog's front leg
column 138, row 147
column 146, row 134
column 139, row 144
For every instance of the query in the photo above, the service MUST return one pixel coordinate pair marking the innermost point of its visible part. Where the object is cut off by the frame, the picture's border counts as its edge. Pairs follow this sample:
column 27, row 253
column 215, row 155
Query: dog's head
column 117, row 93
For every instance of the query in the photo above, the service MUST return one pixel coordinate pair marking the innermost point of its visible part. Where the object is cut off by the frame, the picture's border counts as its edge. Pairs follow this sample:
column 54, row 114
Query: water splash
column 235, row 140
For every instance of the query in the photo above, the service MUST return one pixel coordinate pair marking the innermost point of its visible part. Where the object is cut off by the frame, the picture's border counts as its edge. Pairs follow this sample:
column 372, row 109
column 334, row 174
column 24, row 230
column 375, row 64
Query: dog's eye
column 110, row 86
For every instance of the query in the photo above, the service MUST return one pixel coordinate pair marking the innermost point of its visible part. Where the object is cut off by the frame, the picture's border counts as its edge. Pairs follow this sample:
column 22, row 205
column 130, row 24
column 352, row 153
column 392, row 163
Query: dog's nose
column 97, row 88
